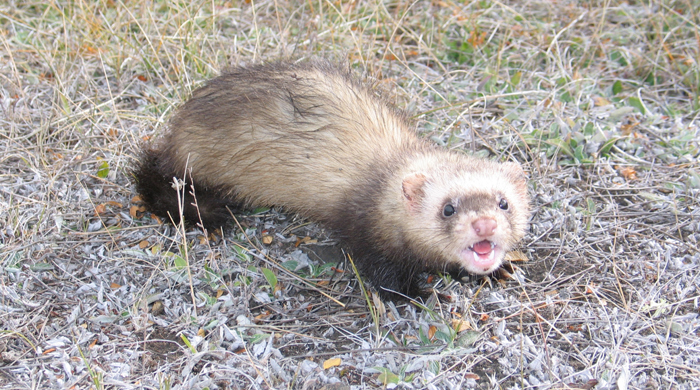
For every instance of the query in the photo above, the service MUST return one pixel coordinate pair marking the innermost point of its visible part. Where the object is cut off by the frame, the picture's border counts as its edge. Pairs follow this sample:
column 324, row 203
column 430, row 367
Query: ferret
column 312, row 139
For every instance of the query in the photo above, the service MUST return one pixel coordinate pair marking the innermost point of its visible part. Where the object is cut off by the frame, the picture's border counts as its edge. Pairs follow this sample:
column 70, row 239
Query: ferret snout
column 485, row 227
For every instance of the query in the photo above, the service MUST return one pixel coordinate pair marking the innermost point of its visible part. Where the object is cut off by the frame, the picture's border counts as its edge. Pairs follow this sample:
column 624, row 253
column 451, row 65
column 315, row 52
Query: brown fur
column 313, row 140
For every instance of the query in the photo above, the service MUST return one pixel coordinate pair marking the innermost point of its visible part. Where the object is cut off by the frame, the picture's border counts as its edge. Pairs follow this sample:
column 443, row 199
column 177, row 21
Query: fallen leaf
column 143, row 244
column 476, row 38
column 305, row 240
column 89, row 49
column 629, row 173
column 627, row 129
column 262, row 315
column 334, row 362
column 136, row 211
column 100, row 209
column 460, row 325
column 431, row 331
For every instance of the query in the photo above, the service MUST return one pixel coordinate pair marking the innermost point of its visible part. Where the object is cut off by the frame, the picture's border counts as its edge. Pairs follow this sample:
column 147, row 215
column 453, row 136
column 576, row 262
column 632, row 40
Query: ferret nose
column 484, row 227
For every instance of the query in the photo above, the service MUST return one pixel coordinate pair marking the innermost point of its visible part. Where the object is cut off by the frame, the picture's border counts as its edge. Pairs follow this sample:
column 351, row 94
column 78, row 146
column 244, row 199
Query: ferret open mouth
column 483, row 254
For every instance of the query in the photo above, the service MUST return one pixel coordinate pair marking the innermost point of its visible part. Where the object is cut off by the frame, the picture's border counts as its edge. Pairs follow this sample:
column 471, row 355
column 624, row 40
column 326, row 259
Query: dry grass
column 599, row 101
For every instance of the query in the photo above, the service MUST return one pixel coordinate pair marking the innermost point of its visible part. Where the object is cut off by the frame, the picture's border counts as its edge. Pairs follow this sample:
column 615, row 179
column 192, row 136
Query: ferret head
column 469, row 214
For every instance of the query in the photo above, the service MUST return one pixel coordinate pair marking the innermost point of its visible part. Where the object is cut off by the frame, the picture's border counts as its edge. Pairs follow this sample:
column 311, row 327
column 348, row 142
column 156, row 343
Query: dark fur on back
column 154, row 177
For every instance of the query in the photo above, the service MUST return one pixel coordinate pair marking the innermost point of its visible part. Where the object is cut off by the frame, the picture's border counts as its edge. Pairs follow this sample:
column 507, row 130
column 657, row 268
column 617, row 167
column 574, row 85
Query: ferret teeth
column 486, row 261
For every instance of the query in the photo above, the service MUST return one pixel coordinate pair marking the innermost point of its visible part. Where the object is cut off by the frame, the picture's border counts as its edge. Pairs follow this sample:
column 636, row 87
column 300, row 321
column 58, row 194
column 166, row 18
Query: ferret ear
column 413, row 189
column 514, row 169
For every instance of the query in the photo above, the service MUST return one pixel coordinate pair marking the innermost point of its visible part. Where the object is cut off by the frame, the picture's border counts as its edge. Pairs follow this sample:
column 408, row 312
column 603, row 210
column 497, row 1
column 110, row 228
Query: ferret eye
column 503, row 204
column 448, row 210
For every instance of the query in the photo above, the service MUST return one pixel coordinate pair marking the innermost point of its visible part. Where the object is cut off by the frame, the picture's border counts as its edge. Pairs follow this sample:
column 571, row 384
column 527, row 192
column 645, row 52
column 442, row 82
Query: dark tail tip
column 154, row 176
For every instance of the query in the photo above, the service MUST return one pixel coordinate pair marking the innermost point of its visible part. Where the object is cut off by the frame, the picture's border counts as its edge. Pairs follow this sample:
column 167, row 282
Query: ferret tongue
column 482, row 248
column 484, row 255
column 481, row 257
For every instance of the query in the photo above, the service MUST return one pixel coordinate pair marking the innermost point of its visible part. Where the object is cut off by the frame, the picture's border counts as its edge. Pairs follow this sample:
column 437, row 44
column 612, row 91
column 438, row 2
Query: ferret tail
column 154, row 177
